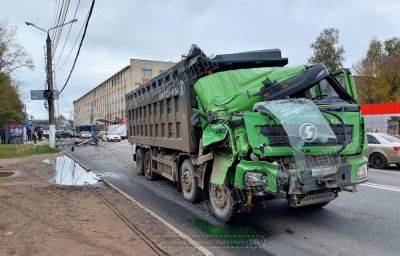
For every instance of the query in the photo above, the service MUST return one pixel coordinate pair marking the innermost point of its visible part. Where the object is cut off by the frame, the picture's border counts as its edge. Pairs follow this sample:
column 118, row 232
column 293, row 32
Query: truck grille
column 278, row 137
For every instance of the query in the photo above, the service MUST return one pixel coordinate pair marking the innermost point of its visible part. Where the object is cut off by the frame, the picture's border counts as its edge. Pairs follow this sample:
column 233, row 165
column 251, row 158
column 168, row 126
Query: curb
column 182, row 235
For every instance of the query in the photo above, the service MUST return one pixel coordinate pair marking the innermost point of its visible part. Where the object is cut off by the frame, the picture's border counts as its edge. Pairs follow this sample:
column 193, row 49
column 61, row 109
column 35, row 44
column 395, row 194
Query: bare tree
column 12, row 54
column 327, row 50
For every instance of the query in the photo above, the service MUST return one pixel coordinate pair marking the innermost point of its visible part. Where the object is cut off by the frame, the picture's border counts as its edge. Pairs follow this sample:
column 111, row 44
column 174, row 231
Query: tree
column 379, row 72
column 11, row 107
column 12, row 55
column 327, row 50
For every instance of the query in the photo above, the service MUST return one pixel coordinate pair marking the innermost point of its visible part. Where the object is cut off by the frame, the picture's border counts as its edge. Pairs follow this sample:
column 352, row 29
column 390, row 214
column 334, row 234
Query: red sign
column 380, row 109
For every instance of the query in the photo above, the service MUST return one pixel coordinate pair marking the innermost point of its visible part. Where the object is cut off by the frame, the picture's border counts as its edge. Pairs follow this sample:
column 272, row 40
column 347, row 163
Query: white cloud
column 163, row 30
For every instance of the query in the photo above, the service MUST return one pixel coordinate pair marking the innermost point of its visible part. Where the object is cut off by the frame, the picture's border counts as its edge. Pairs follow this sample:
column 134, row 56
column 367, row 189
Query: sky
column 164, row 30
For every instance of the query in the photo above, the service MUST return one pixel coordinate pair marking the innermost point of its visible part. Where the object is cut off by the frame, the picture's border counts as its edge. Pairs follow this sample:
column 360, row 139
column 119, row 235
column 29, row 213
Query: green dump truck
column 238, row 129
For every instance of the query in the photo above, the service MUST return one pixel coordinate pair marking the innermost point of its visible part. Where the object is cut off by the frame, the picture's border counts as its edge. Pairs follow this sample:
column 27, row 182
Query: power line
column 80, row 45
column 69, row 31
column 56, row 10
column 59, row 30
column 58, row 20
column 73, row 46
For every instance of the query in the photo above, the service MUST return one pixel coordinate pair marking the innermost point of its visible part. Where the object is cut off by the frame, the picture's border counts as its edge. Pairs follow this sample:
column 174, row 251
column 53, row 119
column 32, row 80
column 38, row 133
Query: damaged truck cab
column 261, row 131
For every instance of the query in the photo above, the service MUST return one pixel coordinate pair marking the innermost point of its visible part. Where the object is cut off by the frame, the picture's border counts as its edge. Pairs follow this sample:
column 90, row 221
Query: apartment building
column 107, row 100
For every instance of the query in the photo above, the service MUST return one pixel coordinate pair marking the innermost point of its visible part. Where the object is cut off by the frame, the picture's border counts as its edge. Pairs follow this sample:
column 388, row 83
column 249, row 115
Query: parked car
column 111, row 137
column 64, row 134
column 383, row 149
column 119, row 129
column 85, row 135
column 46, row 134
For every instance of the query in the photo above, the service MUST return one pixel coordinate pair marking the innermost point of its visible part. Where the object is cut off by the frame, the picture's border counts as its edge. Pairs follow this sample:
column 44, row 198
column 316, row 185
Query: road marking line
column 190, row 240
column 373, row 185
column 398, row 173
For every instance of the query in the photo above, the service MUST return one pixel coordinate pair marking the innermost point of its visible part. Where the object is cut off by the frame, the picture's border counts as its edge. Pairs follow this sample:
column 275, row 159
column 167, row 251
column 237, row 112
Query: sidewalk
column 39, row 218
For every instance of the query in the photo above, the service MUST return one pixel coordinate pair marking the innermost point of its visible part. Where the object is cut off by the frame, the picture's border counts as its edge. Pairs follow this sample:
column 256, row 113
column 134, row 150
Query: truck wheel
column 221, row 202
column 139, row 162
column 148, row 172
column 377, row 161
column 190, row 189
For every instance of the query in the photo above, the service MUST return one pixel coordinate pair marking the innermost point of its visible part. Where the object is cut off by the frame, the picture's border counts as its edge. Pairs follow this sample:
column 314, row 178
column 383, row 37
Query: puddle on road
column 48, row 161
column 6, row 174
column 236, row 236
column 70, row 173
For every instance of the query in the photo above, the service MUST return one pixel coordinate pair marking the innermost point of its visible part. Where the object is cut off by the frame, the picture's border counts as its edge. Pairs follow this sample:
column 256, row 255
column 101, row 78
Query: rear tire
column 378, row 161
column 139, row 162
column 150, row 175
column 398, row 165
column 221, row 202
column 190, row 188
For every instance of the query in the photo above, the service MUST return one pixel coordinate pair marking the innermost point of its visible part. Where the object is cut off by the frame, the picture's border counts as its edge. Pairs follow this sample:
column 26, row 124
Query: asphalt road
column 363, row 223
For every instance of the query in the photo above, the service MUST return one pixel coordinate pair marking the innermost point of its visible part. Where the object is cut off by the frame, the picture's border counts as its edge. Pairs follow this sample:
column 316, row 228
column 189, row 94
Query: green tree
column 379, row 72
column 12, row 57
column 327, row 49
column 11, row 107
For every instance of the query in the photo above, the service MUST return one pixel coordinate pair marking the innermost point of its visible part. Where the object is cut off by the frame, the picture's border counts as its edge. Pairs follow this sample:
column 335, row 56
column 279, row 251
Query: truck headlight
column 255, row 179
column 362, row 172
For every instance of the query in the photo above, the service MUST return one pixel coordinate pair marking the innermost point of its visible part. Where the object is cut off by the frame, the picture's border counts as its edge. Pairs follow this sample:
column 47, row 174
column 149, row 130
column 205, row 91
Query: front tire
column 190, row 189
column 148, row 172
column 378, row 161
column 221, row 202
column 140, row 161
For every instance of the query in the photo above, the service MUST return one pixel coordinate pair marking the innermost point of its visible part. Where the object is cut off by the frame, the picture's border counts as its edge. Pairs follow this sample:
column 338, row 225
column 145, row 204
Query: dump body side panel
column 159, row 113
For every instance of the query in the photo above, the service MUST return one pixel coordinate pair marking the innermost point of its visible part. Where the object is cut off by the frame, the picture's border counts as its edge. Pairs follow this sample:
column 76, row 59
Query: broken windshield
column 304, row 127
column 302, row 121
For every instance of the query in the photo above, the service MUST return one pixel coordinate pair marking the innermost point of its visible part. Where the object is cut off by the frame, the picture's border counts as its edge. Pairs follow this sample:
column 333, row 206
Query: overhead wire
column 58, row 20
column 68, row 33
column 60, row 29
column 80, row 45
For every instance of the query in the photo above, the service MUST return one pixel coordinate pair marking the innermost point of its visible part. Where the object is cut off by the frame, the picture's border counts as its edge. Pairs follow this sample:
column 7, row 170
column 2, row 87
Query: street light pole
column 49, row 80
column 50, row 99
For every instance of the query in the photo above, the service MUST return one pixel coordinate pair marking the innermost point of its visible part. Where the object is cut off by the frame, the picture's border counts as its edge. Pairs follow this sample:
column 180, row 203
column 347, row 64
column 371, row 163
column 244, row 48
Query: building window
column 146, row 73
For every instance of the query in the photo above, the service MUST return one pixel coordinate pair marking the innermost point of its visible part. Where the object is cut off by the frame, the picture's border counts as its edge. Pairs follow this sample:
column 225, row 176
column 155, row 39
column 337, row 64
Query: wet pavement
column 4, row 174
column 70, row 173
column 362, row 223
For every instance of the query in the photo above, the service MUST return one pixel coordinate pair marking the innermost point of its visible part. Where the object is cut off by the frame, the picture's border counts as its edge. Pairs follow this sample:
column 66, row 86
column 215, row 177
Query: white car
column 85, row 135
column 111, row 137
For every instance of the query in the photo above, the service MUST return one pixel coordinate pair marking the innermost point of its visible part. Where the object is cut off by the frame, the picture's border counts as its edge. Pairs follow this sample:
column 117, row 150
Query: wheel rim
column 139, row 166
column 187, row 181
column 148, row 168
column 377, row 161
column 219, row 194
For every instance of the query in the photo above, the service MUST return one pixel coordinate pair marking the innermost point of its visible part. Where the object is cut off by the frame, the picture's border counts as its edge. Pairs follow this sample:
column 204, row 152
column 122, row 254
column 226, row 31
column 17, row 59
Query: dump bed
column 159, row 112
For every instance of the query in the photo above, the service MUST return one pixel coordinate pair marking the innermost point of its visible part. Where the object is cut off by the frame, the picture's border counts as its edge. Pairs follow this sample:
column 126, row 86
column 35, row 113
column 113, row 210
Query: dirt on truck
column 239, row 129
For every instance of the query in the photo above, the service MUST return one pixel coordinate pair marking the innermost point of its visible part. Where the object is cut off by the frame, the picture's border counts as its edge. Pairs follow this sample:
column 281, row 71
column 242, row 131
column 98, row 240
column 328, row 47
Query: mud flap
column 220, row 168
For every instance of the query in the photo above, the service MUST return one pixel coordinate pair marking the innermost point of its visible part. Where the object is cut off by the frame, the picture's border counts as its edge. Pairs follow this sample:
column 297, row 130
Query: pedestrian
column 3, row 136
column 40, row 133
column 29, row 134
column 34, row 136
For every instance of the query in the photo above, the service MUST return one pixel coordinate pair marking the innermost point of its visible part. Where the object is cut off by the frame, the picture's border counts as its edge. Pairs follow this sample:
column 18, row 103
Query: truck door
column 346, row 80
